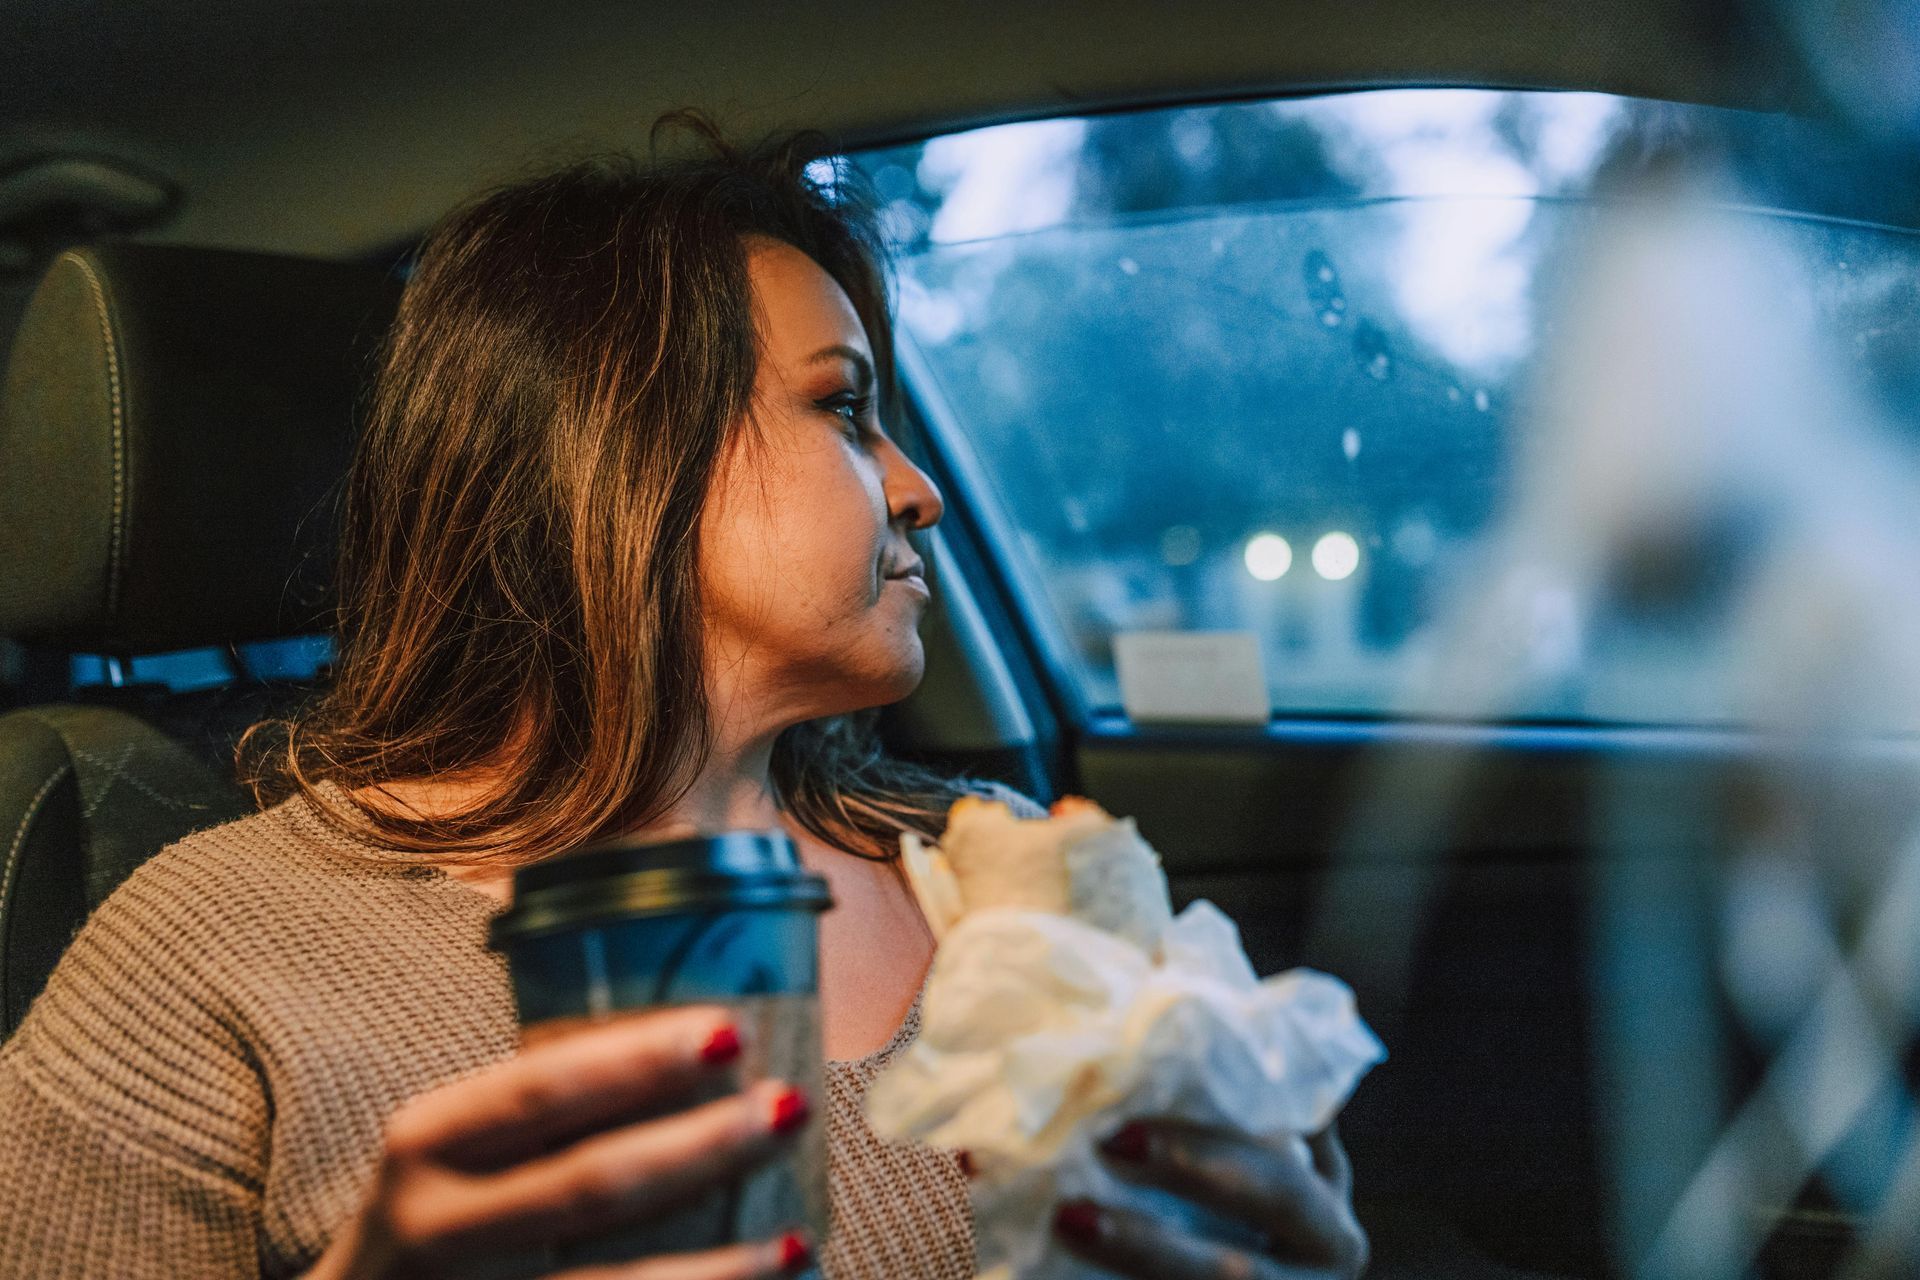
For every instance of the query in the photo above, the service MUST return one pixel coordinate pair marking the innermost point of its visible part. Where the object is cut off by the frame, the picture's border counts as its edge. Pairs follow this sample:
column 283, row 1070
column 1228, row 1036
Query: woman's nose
column 912, row 495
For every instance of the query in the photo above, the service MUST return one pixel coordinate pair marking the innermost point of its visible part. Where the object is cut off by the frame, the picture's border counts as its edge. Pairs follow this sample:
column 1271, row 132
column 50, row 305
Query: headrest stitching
column 116, row 771
column 117, row 533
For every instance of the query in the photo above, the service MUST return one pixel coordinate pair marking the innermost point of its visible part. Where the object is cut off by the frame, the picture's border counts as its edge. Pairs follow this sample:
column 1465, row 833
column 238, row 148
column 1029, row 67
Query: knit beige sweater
column 200, row 1090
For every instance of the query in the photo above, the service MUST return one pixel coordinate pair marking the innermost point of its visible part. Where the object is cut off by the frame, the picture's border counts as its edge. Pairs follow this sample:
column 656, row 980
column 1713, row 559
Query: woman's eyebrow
column 862, row 367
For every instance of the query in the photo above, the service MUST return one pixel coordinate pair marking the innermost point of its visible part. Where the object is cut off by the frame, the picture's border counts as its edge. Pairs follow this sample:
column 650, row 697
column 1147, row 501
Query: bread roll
column 1079, row 861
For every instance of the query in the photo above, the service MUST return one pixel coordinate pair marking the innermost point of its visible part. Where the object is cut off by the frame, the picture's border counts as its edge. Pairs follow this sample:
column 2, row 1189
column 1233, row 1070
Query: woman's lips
column 915, row 568
column 912, row 571
column 908, row 569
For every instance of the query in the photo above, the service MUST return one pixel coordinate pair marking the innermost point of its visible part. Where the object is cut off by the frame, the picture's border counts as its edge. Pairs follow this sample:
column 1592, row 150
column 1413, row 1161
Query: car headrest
column 174, row 426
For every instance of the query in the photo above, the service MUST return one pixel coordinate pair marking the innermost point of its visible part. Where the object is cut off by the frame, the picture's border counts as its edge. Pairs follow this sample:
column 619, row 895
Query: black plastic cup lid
column 624, row 879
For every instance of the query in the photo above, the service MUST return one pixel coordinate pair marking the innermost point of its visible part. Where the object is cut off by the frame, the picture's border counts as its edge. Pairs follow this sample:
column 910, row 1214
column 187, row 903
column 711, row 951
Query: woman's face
column 813, row 594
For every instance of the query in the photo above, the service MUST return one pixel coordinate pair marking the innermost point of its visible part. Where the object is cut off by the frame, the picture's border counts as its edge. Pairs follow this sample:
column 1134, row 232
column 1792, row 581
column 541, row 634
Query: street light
column 1268, row 556
column 1336, row 556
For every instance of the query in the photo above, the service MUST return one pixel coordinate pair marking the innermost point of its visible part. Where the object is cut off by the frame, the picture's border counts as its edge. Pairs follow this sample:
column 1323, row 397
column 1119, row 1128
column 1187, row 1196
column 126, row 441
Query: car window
column 1263, row 367
column 298, row 658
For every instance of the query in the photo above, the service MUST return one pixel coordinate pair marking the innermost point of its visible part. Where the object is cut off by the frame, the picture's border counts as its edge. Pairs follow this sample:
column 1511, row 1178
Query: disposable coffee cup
column 730, row 919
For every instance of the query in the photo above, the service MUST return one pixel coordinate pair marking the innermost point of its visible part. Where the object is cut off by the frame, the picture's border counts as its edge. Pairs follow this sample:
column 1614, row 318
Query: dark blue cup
column 728, row 919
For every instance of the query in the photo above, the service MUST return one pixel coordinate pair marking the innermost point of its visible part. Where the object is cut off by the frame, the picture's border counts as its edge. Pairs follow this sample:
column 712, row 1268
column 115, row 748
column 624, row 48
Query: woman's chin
column 908, row 680
column 880, row 686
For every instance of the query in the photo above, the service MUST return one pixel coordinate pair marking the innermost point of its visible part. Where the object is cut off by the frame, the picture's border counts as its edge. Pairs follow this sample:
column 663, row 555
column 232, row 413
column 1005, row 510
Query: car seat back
column 173, row 427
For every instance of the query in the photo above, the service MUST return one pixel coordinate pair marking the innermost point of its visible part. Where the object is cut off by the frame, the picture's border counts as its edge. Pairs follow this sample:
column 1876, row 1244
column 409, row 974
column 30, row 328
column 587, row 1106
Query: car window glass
column 1256, row 366
column 297, row 658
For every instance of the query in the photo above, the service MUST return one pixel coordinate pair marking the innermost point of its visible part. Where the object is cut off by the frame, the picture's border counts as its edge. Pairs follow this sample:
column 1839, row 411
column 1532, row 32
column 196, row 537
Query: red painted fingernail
column 722, row 1046
column 1078, row 1221
column 795, row 1253
column 967, row 1166
column 790, row 1110
column 1128, row 1142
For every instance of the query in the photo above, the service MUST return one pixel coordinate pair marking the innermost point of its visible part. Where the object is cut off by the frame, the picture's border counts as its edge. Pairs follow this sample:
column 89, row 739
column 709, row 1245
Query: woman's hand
column 549, row 1146
column 1294, row 1196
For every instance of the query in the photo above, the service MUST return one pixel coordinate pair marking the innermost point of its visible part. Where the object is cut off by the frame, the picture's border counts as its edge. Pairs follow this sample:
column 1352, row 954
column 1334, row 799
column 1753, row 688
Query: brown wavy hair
column 518, row 576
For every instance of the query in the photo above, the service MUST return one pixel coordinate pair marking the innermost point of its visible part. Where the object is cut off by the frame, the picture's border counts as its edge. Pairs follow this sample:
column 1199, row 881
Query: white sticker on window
column 1209, row 677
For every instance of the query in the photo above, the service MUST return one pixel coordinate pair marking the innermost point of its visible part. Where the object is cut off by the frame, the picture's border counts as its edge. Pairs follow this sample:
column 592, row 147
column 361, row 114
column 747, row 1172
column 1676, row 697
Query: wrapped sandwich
column 1081, row 863
column 1066, row 998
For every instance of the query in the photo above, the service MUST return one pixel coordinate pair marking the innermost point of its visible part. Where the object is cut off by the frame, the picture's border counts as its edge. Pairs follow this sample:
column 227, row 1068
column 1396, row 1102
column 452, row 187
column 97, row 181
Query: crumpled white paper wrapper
column 1041, row 1034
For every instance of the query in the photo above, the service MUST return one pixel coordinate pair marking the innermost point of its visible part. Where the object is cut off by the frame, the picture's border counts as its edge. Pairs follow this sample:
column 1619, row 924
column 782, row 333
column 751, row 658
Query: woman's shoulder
column 257, row 986
column 243, row 883
column 203, row 895
column 237, row 924
column 141, row 1030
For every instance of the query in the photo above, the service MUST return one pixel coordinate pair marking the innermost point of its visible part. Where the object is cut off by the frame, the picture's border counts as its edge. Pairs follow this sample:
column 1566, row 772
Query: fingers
column 1273, row 1186
column 564, row 1087
column 788, row 1255
column 1330, row 1160
column 622, row 1176
column 1140, row 1245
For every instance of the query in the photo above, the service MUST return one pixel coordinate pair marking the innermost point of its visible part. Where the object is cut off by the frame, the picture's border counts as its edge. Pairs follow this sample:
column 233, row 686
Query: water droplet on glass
column 1350, row 443
column 1328, row 299
column 1129, row 266
column 903, row 222
column 1481, row 400
column 1370, row 349
column 1180, row 545
column 1454, row 395
column 1416, row 540
column 1192, row 136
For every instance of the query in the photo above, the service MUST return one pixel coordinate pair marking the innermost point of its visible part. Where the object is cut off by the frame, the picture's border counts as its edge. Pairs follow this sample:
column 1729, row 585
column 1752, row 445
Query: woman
column 627, row 549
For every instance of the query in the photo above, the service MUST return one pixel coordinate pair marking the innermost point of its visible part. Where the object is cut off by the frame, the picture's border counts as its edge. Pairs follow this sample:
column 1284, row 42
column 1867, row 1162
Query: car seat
column 173, row 427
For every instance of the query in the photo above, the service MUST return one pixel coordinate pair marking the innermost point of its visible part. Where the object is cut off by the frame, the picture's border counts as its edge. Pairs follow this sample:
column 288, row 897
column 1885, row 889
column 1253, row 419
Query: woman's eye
column 850, row 409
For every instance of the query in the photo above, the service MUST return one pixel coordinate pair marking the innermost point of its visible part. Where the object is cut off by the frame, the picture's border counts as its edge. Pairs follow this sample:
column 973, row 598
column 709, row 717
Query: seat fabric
column 98, row 790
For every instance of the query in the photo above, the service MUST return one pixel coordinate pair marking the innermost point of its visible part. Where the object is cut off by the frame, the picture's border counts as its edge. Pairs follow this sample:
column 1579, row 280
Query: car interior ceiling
column 310, row 145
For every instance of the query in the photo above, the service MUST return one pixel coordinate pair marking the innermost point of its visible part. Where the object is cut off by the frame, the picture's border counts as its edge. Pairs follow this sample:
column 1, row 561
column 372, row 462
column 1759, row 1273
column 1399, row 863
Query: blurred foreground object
column 1704, row 472
column 1702, row 463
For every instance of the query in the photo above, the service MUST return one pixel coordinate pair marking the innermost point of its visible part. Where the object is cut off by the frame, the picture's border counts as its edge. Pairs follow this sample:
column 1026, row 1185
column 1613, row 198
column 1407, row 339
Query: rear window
column 1263, row 367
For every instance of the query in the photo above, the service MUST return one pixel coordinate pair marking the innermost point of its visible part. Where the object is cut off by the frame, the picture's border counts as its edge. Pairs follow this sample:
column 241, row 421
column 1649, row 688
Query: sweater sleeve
column 132, row 1116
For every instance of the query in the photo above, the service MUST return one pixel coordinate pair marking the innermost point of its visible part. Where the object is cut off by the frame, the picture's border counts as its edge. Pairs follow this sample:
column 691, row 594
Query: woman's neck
column 747, row 711
column 733, row 792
